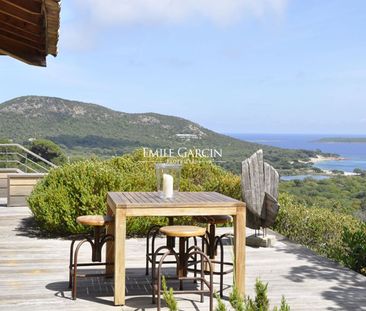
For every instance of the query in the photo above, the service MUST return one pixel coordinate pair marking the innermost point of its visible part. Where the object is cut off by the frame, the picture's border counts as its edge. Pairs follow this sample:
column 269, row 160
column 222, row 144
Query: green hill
column 84, row 129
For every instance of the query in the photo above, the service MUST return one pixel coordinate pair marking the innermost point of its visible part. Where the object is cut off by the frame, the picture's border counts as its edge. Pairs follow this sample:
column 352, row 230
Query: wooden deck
column 33, row 275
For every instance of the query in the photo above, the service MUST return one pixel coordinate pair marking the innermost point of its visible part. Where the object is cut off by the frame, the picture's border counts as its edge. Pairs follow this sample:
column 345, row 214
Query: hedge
column 81, row 188
column 335, row 235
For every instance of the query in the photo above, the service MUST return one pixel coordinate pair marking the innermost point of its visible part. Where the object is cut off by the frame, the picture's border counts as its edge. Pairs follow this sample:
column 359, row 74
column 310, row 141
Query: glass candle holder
column 167, row 179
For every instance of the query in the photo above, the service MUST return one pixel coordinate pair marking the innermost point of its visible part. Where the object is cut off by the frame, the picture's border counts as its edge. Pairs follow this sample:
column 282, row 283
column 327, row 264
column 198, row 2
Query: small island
column 342, row 140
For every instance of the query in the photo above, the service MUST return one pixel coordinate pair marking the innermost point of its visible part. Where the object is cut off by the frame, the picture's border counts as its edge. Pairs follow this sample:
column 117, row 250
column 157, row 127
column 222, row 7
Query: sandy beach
column 328, row 172
column 320, row 158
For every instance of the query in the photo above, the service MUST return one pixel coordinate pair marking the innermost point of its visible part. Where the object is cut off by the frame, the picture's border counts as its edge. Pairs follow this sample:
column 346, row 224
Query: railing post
column 6, row 157
column 26, row 163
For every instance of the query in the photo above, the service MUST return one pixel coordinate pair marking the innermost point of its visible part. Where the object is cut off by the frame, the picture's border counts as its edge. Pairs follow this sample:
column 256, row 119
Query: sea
column 354, row 154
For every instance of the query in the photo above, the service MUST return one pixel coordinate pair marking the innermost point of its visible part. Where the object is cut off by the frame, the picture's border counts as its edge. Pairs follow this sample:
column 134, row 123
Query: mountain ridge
column 86, row 128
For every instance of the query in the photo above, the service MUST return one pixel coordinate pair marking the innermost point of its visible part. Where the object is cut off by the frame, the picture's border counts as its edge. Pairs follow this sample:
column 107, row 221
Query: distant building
column 187, row 136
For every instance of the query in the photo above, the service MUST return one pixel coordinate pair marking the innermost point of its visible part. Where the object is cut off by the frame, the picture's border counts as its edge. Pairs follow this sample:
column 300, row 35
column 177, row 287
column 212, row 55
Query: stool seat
column 214, row 220
column 94, row 220
column 183, row 231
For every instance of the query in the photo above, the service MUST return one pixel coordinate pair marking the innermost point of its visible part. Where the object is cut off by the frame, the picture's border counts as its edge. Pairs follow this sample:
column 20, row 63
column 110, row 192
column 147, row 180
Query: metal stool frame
column 96, row 241
column 193, row 252
column 212, row 242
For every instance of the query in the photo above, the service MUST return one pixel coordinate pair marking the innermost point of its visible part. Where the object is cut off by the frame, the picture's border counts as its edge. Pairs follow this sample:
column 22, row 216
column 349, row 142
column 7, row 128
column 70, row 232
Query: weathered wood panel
column 20, row 187
column 4, row 172
column 252, row 182
column 258, row 178
column 271, row 180
column 24, row 181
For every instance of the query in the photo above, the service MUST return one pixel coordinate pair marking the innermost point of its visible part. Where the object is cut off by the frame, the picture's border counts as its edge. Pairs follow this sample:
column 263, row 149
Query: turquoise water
column 354, row 153
column 302, row 177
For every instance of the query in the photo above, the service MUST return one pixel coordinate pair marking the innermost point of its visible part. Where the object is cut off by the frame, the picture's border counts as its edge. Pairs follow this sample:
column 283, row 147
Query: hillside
column 84, row 129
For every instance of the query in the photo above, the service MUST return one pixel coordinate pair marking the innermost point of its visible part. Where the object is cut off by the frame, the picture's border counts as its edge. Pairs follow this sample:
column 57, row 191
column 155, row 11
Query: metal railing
column 18, row 157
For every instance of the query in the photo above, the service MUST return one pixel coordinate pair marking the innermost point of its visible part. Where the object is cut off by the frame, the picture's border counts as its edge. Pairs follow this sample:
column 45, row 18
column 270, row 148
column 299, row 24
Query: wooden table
column 125, row 204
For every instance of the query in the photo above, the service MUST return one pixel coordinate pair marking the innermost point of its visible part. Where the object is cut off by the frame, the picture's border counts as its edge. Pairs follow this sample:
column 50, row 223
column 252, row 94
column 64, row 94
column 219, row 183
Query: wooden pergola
column 29, row 29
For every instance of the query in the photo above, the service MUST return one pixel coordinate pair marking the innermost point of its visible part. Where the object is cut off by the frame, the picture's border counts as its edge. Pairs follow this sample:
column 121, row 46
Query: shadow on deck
column 34, row 275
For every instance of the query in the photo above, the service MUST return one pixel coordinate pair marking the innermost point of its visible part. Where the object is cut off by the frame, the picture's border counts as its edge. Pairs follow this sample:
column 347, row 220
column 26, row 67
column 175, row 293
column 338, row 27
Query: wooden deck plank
column 33, row 275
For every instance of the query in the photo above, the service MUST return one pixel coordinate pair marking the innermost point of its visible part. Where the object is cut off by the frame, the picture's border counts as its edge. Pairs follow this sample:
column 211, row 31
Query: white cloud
column 108, row 12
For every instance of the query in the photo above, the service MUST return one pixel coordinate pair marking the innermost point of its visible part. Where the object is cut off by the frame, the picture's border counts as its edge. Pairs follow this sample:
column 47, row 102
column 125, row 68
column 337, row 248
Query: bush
column 323, row 231
column 260, row 302
column 70, row 191
column 353, row 252
column 81, row 188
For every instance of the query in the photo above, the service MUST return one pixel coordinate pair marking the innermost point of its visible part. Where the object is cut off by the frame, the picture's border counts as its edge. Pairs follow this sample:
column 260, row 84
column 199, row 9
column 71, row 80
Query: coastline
column 320, row 158
column 341, row 157
column 330, row 173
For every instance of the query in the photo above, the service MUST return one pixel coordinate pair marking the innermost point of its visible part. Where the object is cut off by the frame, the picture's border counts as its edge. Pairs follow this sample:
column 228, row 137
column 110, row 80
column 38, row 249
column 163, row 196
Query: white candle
column 167, row 186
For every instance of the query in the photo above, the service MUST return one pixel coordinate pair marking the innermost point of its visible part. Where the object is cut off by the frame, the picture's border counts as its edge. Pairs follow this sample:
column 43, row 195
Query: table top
column 181, row 199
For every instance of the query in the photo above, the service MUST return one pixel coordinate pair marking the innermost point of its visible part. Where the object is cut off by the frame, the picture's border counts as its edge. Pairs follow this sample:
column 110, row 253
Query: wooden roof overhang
column 29, row 29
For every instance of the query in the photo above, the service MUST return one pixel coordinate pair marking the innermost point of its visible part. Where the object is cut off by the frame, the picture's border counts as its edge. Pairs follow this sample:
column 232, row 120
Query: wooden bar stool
column 151, row 235
column 96, row 241
column 182, row 259
column 214, row 241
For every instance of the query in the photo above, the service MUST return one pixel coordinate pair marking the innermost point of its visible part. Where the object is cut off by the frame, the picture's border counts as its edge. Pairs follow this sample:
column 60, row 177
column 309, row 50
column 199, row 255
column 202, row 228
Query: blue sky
column 244, row 66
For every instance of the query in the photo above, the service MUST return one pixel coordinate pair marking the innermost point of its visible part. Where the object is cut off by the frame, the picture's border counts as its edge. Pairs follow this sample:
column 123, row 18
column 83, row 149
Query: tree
column 48, row 150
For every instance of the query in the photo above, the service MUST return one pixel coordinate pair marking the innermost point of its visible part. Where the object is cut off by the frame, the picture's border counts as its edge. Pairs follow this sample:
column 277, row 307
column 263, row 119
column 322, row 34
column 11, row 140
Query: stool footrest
column 86, row 275
column 93, row 264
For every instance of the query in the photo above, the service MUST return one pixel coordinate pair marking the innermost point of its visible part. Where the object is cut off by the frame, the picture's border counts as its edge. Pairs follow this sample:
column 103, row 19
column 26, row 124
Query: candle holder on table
column 167, row 179
column 167, row 182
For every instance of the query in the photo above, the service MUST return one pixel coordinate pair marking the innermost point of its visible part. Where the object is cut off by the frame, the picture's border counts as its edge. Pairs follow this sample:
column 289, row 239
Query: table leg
column 110, row 245
column 239, row 249
column 170, row 241
column 119, row 257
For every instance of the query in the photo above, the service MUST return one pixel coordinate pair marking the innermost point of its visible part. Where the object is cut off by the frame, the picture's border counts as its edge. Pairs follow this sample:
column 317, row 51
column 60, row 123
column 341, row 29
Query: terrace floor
column 33, row 275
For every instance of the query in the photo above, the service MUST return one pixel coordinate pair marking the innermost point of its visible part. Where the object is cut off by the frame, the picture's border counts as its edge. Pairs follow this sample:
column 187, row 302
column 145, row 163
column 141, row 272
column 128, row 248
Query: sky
column 234, row 66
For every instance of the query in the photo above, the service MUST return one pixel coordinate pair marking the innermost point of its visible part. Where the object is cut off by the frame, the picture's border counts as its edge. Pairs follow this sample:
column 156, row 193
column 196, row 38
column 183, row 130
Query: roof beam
column 20, row 32
column 8, row 38
column 10, row 10
column 22, row 52
column 17, row 23
column 29, row 29
column 33, row 7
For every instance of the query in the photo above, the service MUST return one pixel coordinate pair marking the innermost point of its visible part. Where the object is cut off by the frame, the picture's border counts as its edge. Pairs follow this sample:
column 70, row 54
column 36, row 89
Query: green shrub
column 220, row 304
column 260, row 302
column 261, row 298
column 322, row 230
column 236, row 300
column 81, row 188
column 70, row 191
column 353, row 252
column 168, row 296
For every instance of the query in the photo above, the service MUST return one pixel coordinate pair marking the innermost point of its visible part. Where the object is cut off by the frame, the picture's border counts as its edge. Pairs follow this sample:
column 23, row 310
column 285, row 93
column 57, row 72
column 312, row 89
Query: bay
column 354, row 153
column 302, row 177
